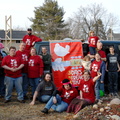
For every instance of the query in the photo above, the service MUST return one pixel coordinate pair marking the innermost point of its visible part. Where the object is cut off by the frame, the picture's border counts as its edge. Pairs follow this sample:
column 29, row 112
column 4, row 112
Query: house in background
column 112, row 36
column 17, row 36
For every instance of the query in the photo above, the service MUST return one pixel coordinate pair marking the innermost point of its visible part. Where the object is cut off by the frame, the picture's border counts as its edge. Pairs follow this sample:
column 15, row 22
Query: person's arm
column 103, row 59
column 36, row 39
column 107, row 66
column 48, row 61
column 7, row 68
column 97, row 77
column 118, row 66
column 81, row 95
column 102, row 72
column 20, row 67
column 41, row 67
column 34, row 98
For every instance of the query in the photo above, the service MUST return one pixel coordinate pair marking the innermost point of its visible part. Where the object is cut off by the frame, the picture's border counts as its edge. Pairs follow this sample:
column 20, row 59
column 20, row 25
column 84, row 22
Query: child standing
column 92, row 40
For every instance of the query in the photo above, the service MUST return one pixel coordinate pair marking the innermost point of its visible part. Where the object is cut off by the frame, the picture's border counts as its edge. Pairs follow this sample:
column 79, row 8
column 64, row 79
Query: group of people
column 24, row 67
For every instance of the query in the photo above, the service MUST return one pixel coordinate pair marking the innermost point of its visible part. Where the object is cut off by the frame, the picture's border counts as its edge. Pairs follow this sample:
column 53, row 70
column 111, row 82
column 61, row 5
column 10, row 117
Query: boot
column 45, row 110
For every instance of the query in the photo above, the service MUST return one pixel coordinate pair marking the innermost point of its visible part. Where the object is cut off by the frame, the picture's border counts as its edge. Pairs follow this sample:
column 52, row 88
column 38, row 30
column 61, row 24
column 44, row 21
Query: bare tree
column 93, row 17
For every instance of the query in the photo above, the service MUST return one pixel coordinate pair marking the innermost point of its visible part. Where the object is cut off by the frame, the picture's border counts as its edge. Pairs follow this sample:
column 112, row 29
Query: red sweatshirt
column 87, row 88
column 68, row 95
column 35, row 66
column 25, row 55
column 29, row 39
column 92, row 40
column 95, row 67
column 12, row 62
column 102, row 54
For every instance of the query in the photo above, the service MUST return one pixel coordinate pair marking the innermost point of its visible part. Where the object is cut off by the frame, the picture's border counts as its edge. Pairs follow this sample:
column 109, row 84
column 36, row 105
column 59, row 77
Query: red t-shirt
column 35, row 66
column 92, row 40
column 25, row 56
column 95, row 67
column 102, row 53
column 87, row 88
column 12, row 62
column 29, row 39
column 68, row 95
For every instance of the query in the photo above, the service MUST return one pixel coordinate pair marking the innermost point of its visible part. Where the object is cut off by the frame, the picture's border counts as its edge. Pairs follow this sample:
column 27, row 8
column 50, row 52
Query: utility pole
column 8, row 32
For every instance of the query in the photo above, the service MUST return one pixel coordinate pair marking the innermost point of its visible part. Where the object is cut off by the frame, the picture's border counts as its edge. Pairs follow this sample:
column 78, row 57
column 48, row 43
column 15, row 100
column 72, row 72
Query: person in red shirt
column 87, row 93
column 98, row 66
column 35, row 69
column 30, row 39
column 59, row 102
column 101, row 52
column 25, row 55
column 92, row 40
column 13, row 74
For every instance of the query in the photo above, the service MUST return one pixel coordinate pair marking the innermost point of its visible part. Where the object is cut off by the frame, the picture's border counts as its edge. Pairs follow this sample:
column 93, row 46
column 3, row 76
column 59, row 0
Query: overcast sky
column 20, row 10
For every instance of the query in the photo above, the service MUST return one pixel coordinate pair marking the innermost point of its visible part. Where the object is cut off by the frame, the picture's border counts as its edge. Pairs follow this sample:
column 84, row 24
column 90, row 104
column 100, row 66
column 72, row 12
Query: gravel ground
column 23, row 111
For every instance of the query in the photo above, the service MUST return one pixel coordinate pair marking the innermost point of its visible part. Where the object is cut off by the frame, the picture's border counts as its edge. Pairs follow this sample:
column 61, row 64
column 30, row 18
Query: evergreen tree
column 48, row 22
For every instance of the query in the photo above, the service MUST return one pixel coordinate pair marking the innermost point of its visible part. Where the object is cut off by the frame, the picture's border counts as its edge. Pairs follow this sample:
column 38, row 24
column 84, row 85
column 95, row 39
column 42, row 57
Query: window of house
column 1, row 41
column 17, row 41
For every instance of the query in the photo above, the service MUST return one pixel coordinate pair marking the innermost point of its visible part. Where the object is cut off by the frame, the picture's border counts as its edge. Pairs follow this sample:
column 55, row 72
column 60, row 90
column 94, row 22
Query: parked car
column 106, row 45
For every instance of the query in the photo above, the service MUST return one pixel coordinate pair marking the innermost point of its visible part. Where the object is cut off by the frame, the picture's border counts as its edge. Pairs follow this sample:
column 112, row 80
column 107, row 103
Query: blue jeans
column 44, row 98
column 97, row 89
column 113, row 82
column 34, row 83
column 10, row 82
column 2, row 86
column 92, row 50
column 59, row 107
column 25, row 83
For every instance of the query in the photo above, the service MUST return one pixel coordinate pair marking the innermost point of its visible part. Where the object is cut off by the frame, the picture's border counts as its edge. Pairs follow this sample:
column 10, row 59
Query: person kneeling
column 87, row 93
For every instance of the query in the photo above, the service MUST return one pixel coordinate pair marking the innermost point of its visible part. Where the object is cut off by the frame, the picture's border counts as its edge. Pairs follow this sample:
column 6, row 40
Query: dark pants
column 92, row 50
column 113, row 82
column 2, row 86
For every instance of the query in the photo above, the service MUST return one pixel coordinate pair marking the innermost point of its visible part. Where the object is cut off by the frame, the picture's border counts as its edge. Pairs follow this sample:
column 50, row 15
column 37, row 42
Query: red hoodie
column 68, row 95
column 12, row 62
column 35, row 66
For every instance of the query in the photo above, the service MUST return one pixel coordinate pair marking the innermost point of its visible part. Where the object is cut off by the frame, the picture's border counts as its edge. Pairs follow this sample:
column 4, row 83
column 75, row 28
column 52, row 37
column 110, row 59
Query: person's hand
column 54, row 100
column 33, row 43
column 107, row 70
column 118, row 70
column 32, row 103
column 12, row 69
column 102, row 81
column 99, row 74
column 15, row 69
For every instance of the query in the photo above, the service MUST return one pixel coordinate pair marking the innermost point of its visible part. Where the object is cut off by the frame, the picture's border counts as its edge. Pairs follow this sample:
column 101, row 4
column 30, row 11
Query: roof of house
column 16, row 34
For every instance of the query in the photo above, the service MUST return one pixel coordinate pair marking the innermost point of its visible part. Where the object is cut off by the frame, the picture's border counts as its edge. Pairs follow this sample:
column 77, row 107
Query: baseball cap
column 29, row 29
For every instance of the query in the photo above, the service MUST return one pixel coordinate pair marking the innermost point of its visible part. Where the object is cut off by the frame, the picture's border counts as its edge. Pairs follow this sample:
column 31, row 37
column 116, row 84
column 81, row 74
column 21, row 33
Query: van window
column 106, row 48
column 118, row 47
column 40, row 49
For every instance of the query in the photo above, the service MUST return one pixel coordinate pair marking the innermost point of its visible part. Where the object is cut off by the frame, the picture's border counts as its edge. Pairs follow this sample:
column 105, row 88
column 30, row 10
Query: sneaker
column 111, row 95
column 116, row 95
column 6, row 101
column 21, row 101
column 26, row 97
column 45, row 110
column 98, row 101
